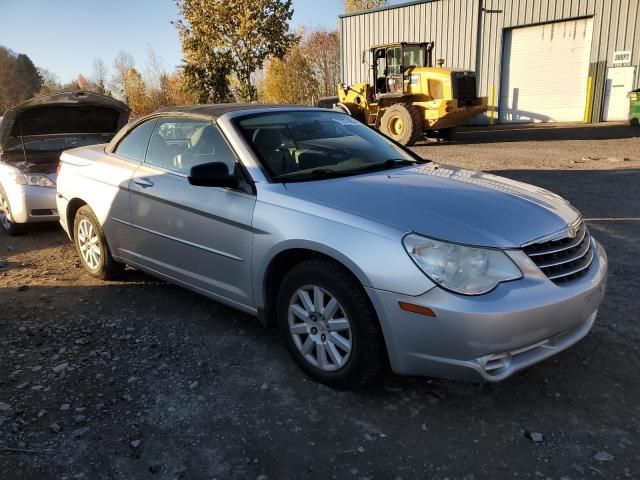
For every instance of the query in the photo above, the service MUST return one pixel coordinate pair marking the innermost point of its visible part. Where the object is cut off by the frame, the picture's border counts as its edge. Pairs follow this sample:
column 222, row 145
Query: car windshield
column 306, row 145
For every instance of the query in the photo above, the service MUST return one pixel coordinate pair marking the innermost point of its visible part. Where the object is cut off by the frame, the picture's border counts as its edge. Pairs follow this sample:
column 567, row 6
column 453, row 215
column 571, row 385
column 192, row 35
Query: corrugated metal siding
column 449, row 23
column 469, row 34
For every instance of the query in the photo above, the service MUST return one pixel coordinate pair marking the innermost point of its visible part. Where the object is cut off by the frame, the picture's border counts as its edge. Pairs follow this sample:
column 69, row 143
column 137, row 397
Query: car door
column 198, row 236
column 116, row 170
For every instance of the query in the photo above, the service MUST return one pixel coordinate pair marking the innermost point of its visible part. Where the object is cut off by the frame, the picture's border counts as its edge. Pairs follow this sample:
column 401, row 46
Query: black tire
column 409, row 117
column 367, row 352
column 351, row 109
column 106, row 268
column 7, row 224
column 448, row 134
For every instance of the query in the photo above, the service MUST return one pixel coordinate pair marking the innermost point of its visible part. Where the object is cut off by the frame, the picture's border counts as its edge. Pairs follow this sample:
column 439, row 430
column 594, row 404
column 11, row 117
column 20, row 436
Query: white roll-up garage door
column 544, row 72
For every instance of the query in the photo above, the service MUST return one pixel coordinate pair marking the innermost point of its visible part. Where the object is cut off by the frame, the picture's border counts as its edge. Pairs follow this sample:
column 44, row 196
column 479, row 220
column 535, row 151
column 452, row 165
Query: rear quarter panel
column 101, row 181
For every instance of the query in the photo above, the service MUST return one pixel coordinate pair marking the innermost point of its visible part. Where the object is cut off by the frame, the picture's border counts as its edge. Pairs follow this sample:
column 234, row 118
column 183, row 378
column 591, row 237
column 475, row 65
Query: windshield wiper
column 386, row 165
column 331, row 173
column 316, row 172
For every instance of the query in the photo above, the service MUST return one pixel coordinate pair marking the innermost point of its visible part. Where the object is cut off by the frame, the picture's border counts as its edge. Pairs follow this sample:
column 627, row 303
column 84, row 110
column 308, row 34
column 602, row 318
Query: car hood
column 447, row 203
column 59, row 115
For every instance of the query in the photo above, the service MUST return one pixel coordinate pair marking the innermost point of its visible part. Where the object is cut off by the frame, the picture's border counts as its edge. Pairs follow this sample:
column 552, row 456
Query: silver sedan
column 33, row 134
column 360, row 252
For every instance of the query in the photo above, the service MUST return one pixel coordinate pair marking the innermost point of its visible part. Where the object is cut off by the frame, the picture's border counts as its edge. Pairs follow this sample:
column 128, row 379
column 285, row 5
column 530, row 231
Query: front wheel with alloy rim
column 6, row 220
column 92, row 247
column 329, row 325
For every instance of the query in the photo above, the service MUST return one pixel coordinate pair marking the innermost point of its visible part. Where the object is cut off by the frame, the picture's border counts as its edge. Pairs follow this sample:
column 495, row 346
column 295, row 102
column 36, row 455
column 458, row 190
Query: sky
column 64, row 36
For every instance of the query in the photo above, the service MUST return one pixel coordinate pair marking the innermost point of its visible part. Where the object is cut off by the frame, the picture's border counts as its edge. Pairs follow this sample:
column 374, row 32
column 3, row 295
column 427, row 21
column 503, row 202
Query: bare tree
column 50, row 81
column 154, row 68
column 322, row 50
column 122, row 64
column 100, row 76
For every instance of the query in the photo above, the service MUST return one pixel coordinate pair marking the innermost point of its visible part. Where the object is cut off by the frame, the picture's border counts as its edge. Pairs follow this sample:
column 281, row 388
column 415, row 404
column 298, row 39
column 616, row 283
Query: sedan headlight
column 461, row 269
column 34, row 180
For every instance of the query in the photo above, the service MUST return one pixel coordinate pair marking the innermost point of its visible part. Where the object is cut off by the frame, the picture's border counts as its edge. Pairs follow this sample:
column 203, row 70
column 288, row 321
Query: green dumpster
column 634, row 107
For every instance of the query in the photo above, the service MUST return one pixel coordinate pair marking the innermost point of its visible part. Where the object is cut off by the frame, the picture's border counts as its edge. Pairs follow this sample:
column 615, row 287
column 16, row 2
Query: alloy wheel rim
column 320, row 328
column 5, row 213
column 89, row 243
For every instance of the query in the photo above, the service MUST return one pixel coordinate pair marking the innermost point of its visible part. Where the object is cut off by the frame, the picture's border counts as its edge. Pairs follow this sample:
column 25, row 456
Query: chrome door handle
column 144, row 182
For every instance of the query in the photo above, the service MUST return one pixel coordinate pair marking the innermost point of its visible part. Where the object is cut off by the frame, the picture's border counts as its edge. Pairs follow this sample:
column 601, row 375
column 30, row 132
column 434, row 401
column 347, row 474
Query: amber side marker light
column 410, row 307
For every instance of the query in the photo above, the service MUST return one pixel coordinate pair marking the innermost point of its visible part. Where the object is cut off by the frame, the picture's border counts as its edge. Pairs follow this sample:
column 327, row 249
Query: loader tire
column 402, row 123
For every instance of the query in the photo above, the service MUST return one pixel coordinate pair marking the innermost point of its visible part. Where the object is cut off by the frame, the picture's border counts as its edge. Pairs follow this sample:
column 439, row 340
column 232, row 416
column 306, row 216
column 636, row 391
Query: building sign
column 622, row 58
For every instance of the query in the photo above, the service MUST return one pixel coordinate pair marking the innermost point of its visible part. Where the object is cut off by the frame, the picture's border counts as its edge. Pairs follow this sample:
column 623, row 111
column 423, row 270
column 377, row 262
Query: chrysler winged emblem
column 572, row 230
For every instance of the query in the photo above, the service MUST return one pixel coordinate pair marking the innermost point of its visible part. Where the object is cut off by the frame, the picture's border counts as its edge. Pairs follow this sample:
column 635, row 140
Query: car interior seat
column 271, row 147
column 162, row 154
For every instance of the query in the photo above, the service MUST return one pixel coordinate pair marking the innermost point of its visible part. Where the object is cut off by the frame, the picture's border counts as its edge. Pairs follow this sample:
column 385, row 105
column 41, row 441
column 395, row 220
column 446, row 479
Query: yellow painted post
column 491, row 103
column 587, row 108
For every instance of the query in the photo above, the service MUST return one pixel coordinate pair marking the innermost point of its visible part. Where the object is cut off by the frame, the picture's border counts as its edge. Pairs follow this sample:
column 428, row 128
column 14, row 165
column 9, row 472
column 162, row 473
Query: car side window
column 181, row 143
column 134, row 145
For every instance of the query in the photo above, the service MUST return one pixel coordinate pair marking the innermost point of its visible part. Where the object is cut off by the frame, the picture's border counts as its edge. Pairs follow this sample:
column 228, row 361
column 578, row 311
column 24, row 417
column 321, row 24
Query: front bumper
column 441, row 118
column 490, row 337
column 31, row 204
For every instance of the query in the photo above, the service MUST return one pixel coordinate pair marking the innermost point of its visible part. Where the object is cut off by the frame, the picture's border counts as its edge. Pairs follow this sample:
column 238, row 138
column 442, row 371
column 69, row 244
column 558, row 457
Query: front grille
column 566, row 259
column 464, row 88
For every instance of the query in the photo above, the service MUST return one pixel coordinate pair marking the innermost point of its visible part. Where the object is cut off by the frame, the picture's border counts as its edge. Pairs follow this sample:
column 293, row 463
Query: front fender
column 371, row 251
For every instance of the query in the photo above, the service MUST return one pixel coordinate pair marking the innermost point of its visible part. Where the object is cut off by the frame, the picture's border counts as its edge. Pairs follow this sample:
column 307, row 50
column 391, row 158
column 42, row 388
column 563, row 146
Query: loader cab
column 391, row 61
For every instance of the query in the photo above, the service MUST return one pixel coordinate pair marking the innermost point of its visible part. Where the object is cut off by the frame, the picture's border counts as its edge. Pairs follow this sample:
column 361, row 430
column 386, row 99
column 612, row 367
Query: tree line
column 243, row 50
column 233, row 50
column 19, row 78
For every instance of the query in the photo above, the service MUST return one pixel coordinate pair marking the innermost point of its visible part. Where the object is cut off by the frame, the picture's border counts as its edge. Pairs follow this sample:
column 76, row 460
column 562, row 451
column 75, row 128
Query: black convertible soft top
column 216, row 110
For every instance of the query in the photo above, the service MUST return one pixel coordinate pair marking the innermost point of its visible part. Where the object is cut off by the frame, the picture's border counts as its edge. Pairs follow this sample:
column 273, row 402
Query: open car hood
column 58, row 116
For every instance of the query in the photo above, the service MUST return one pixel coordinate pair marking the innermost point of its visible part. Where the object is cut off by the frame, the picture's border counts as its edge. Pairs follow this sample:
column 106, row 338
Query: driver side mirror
column 212, row 174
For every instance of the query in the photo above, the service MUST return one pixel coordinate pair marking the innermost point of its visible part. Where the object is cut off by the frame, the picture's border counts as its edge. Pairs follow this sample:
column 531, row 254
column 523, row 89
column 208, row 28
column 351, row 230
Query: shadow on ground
column 544, row 133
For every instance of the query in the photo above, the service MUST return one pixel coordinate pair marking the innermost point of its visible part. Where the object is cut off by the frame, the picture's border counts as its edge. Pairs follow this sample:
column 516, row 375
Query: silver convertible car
column 361, row 252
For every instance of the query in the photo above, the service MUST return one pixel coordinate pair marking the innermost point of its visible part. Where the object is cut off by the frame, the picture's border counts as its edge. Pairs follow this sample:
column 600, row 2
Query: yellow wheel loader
column 408, row 97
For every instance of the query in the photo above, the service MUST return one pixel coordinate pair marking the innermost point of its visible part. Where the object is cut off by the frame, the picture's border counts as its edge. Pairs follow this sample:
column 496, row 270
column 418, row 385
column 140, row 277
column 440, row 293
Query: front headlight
column 33, row 179
column 461, row 269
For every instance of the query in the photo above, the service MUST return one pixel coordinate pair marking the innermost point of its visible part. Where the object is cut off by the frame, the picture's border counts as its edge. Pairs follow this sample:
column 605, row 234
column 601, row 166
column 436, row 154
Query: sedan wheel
column 92, row 247
column 89, row 244
column 6, row 220
column 5, row 212
column 320, row 328
column 329, row 325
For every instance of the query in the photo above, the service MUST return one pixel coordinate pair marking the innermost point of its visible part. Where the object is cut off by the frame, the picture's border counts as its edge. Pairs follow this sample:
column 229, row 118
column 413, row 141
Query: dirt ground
column 140, row 379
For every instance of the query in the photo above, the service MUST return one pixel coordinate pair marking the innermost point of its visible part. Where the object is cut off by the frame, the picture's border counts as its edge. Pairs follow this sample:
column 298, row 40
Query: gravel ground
column 140, row 379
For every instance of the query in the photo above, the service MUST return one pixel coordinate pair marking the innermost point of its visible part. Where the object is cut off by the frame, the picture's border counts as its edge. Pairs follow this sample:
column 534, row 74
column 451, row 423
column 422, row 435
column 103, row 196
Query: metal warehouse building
column 536, row 60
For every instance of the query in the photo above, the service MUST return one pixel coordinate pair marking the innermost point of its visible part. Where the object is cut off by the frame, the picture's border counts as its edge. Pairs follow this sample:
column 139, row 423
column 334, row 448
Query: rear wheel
column 402, row 123
column 6, row 220
column 329, row 325
column 92, row 247
column 448, row 134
